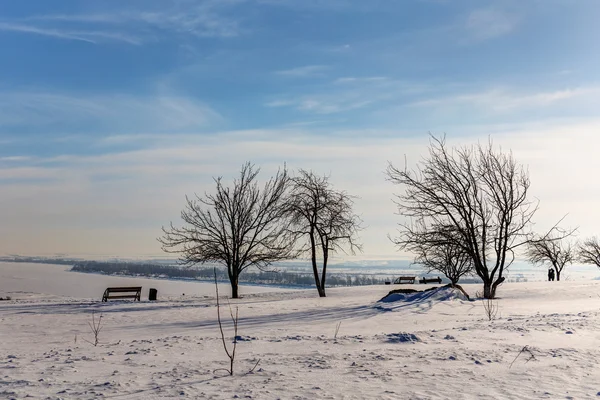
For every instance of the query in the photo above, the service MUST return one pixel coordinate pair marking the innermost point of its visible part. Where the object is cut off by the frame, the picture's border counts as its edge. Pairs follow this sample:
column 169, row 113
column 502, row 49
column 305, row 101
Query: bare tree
column 490, row 308
column 234, row 320
column 238, row 227
column 551, row 250
column 95, row 327
column 589, row 251
column 449, row 259
column 473, row 198
column 323, row 217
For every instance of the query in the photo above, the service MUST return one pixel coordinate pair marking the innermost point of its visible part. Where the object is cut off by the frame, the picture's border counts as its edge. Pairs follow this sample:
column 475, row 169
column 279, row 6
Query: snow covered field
column 432, row 345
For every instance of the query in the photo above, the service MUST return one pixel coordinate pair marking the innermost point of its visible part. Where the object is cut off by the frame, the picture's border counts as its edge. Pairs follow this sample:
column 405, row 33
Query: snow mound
column 445, row 293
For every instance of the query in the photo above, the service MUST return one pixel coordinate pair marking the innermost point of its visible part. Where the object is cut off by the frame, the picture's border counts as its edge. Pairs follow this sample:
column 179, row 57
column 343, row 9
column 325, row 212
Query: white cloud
column 279, row 103
column 350, row 93
column 305, row 71
column 145, row 188
column 133, row 193
column 504, row 100
column 490, row 23
column 353, row 79
column 133, row 26
column 121, row 113
column 341, row 49
column 84, row 36
column 15, row 158
column 323, row 104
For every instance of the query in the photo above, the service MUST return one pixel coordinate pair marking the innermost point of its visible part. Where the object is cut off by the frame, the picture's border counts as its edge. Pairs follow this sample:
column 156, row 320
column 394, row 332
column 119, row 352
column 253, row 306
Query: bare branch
column 468, row 198
column 589, row 251
column 490, row 307
column 95, row 328
column 322, row 217
column 239, row 226
column 444, row 256
column 525, row 349
column 552, row 250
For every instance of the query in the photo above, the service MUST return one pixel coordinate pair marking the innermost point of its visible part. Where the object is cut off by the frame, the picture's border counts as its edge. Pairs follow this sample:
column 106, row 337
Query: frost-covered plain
column 433, row 345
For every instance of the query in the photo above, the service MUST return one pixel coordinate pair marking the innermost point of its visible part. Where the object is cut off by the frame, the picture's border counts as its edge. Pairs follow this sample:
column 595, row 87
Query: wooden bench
column 437, row 280
column 407, row 279
column 134, row 292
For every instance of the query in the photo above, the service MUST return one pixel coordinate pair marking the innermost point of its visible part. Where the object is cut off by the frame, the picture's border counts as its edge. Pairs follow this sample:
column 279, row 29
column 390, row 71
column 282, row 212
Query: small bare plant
column 234, row 319
column 95, row 327
column 337, row 329
column 490, row 307
column 524, row 350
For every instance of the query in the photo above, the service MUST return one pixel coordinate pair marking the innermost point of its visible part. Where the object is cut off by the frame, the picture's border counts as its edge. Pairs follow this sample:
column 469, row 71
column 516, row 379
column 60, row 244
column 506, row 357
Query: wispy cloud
column 57, row 33
column 503, row 100
column 89, row 36
column 280, row 103
column 305, row 71
column 132, row 193
column 490, row 23
column 133, row 26
column 64, row 112
column 348, row 94
column 323, row 104
column 353, row 79
column 15, row 158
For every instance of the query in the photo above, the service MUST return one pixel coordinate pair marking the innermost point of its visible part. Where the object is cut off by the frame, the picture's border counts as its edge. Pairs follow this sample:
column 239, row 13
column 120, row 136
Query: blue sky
column 111, row 111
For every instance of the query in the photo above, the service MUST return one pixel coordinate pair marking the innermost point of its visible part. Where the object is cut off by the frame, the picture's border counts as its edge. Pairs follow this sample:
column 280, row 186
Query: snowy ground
column 434, row 345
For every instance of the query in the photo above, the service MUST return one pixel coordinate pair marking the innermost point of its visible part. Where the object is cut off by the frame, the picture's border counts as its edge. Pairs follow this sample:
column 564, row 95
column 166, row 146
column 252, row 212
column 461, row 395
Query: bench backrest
column 136, row 293
column 409, row 279
column 124, row 289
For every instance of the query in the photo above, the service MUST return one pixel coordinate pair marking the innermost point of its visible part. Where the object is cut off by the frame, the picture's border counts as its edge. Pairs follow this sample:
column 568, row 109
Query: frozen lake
column 24, row 280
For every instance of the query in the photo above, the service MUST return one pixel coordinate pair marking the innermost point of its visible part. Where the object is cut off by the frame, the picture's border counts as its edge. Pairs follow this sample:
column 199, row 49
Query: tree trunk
column 489, row 289
column 313, row 258
column 557, row 274
column 234, row 287
column 321, row 291
column 324, row 272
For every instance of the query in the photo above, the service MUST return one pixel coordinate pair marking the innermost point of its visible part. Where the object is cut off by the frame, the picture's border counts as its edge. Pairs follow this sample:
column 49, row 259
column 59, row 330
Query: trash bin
column 152, row 294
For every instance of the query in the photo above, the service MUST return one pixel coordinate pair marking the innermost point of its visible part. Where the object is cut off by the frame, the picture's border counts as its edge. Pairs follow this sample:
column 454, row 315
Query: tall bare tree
column 238, row 226
column 473, row 198
column 551, row 250
column 589, row 251
column 449, row 259
column 324, row 218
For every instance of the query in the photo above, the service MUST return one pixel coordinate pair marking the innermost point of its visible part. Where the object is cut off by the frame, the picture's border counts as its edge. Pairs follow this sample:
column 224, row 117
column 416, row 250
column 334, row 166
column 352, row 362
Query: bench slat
column 430, row 280
column 409, row 279
column 133, row 296
column 124, row 289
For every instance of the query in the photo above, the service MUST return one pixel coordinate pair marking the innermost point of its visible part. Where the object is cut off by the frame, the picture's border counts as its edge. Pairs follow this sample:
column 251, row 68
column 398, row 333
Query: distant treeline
column 39, row 260
column 206, row 273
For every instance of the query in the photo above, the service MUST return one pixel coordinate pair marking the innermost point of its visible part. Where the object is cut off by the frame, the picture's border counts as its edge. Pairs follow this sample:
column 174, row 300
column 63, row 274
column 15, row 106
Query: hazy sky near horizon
column 112, row 111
